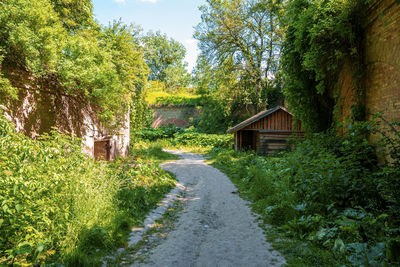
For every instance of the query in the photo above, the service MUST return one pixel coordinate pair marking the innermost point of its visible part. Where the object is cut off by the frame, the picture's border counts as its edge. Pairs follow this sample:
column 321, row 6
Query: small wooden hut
column 266, row 132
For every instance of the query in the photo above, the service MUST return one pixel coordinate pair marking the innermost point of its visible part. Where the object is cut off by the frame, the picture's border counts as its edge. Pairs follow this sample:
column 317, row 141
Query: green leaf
column 18, row 207
column 40, row 247
column 339, row 245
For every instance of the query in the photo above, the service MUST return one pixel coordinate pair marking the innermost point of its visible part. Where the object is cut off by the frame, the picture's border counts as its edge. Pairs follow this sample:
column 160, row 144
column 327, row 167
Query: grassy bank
column 59, row 206
column 328, row 200
column 188, row 139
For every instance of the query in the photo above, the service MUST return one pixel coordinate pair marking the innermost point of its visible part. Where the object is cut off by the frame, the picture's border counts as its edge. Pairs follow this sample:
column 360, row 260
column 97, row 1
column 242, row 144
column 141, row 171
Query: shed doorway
column 105, row 149
column 249, row 140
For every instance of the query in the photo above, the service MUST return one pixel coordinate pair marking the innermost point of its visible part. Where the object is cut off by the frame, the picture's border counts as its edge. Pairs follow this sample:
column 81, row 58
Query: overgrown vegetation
column 164, row 98
column 185, row 138
column 320, row 37
column 328, row 192
column 240, row 44
column 57, row 43
column 57, row 205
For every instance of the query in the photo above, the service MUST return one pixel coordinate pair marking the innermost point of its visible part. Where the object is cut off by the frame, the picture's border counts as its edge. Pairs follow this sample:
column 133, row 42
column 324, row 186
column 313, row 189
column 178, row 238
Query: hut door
column 248, row 140
column 104, row 149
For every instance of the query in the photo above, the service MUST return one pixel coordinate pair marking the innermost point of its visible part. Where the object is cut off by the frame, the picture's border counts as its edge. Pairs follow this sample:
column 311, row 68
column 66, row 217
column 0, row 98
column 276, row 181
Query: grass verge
column 59, row 206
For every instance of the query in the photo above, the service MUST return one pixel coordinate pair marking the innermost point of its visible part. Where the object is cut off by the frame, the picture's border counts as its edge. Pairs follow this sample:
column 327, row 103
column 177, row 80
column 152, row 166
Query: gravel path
column 216, row 228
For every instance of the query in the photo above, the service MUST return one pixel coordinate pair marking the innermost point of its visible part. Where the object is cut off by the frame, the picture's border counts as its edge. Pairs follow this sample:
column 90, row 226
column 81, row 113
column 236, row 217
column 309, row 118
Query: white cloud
column 149, row 1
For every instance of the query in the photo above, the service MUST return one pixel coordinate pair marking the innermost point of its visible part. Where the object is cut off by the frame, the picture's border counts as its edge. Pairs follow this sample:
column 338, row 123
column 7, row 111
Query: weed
column 59, row 206
column 328, row 199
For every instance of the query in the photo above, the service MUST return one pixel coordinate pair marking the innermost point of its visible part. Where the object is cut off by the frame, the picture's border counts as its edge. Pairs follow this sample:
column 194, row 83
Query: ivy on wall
column 320, row 36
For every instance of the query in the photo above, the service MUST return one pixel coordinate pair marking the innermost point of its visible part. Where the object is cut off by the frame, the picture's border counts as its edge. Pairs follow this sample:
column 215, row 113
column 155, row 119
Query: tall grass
column 58, row 205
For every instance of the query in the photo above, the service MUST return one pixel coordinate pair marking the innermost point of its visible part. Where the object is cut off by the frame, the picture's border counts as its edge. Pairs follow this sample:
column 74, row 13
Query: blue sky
column 176, row 18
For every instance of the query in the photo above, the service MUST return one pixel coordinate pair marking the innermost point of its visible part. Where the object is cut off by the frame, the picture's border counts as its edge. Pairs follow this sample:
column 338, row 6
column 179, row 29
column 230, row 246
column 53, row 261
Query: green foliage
column 330, row 193
column 152, row 151
column 57, row 205
column 58, row 42
column 165, row 58
column 74, row 14
column 214, row 117
column 141, row 115
column 153, row 134
column 165, row 98
column 188, row 137
column 320, row 36
column 242, row 40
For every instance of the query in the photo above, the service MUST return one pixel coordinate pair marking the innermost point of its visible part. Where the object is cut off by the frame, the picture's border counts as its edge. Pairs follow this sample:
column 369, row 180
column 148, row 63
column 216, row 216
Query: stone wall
column 178, row 115
column 38, row 110
column 382, row 65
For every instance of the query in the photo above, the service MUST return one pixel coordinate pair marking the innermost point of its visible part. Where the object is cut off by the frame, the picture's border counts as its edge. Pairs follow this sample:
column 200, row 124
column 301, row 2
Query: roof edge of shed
column 255, row 118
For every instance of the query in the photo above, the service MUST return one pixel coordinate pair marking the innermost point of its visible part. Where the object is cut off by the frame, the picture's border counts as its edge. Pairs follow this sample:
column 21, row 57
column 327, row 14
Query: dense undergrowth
column 165, row 98
column 185, row 138
column 59, row 206
column 331, row 203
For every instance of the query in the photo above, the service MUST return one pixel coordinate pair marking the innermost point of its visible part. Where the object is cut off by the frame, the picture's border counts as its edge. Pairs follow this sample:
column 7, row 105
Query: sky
column 176, row 18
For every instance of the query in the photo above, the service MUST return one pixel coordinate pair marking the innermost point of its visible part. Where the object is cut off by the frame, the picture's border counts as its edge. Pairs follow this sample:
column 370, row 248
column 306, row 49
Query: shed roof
column 256, row 117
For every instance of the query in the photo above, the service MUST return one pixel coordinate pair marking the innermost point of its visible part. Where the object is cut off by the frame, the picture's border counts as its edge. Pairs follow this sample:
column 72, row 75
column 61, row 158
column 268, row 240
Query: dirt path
column 215, row 228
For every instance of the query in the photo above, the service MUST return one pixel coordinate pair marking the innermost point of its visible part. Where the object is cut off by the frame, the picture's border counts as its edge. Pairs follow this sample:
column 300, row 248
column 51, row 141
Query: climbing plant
column 58, row 41
column 320, row 35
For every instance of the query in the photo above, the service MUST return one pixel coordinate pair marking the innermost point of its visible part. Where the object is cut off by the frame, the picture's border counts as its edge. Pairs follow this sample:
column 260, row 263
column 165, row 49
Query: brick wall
column 38, row 110
column 382, row 61
column 178, row 115
column 382, row 50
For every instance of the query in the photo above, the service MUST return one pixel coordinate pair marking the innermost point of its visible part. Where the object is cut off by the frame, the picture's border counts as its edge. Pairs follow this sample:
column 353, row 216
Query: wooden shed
column 266, row 132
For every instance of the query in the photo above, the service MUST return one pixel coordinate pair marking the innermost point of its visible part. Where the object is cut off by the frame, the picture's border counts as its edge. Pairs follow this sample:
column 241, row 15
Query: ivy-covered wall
column 41, row 106
column 381, row 62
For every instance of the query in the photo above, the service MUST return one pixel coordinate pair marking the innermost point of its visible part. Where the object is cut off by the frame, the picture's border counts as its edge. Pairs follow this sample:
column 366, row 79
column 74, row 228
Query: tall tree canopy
column 59, row 40
column 74, row 14
column 244, row 34
column 165, row 58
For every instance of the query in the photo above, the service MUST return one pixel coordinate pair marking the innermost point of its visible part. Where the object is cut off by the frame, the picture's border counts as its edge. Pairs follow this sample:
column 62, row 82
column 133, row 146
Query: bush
column 190, row 137
column 214, row 117
column 173, row 99
column 329, row 191
column 58, row 205
column 185, row 137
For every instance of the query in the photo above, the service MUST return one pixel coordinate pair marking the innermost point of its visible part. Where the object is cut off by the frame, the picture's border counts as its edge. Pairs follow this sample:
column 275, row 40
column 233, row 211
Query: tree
column 82, row 60
column 75, row 14
column 247, row 33
column 165, row 58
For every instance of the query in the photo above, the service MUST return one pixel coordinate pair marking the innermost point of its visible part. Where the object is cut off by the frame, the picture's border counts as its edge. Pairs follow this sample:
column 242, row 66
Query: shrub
column 185, row 137
column 58, row 205
column 329, row 191
column 190, row 137
column 153, row 134
column 173, row 99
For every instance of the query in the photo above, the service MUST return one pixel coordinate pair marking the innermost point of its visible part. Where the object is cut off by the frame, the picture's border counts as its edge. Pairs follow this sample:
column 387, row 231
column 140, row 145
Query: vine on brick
column 320, row 37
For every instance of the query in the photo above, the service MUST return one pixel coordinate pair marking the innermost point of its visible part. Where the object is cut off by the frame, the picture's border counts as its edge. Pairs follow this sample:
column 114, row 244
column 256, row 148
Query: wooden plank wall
column 271, row 143
column 279, row 120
